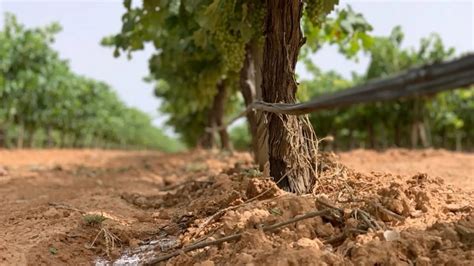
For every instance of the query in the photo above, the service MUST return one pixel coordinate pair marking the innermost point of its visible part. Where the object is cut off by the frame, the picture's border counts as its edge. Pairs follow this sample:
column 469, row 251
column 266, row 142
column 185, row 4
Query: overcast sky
column 86, row 22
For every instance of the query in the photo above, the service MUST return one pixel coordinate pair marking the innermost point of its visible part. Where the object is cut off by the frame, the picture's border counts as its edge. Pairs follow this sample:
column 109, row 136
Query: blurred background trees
column 443, row 120
column 204, row 45
column 44, row 104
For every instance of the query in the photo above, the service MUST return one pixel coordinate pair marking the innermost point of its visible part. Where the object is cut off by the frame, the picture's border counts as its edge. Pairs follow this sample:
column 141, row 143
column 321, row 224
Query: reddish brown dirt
column 169, row 199
column 455, row 168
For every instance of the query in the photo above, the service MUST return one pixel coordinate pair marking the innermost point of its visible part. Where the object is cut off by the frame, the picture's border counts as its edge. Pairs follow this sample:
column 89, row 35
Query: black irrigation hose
column 425, row 80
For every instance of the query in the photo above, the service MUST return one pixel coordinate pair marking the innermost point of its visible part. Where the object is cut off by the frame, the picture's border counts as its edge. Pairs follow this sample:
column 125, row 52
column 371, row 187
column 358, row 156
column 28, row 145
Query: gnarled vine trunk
column 215, row 119
column 20, row 137
column 49, row 137
column 251, row 89
column 3, row 137
column 248, row 90
column 218, row 111
column 291, row 139
column 207, row 140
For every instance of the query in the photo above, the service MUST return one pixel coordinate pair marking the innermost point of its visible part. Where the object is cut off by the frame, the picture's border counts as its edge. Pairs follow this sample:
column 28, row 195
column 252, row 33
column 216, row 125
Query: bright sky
column 86, row 22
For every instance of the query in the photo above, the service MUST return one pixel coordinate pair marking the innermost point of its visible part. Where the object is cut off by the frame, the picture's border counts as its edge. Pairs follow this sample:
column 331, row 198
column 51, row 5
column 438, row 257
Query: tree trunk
column 261, row 152
column 215, row 119
column 207, row 140
column 247, row 88
column 49, row 137
column 63, row 139
column 31, row 139
column 75, row 140
column 398, row 135
column 3, row 137
column 370, row 135
column 423, row 135
column 458, row 141
column 292, row 151
column 351, row 140
column 218, row 111
column 21, row 136
column 251, row 89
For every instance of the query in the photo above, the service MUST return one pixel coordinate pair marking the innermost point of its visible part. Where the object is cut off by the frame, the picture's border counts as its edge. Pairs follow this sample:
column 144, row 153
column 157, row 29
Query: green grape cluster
column 257, row 20
column 229, row 40
column 316, row 10
column 232, row 49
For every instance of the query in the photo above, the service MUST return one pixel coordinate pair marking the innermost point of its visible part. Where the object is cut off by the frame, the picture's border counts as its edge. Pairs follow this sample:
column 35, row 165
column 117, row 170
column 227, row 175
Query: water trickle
column 141, row 254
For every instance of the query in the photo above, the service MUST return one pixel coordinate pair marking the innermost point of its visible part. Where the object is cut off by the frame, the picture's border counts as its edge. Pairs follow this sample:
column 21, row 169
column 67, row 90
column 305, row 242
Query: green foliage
column 39, row 93
column 240, row 137
column 348, row 30
column 446, row 117
column 186, row 66
column 199, row 43
column 317, row 10
column 93, row 219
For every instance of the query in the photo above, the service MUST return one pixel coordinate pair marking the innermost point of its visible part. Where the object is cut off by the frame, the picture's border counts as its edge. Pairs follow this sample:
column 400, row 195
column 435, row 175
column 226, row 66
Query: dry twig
column 221, row 212
column 329, row 205
column 367, row 218
column 110, row 240
column 268, row 228
column 388, row 212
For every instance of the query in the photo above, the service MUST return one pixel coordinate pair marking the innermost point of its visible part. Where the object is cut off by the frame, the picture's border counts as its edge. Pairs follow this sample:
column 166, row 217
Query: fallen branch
column 366, row 217
column 235, row 236
column 336, row 239
column 221, row 212
column 295, row 219
column 329, row 205
column 388, row 212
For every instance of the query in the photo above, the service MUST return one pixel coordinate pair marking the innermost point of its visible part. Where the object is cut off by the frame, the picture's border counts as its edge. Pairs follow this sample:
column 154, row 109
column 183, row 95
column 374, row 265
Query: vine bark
column 291, row 139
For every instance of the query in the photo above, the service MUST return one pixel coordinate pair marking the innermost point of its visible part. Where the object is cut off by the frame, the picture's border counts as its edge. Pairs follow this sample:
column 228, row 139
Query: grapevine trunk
column 251, row 89
column 291, row 140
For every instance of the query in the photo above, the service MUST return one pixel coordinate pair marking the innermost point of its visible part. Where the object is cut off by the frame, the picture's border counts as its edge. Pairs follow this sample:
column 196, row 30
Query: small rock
column 51, row 213
column 391, row 235
column 141, row 201
column 416, row 213
column 306, row 243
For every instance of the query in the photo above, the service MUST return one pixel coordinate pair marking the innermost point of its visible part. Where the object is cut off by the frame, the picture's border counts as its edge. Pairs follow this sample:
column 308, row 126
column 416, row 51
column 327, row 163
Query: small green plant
column 53, row 250
column 252, row 172
column 93, row 219
column 276, row 211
